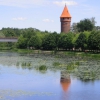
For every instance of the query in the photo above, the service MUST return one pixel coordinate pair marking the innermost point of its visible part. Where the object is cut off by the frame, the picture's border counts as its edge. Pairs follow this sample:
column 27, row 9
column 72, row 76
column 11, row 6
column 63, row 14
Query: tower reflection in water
column 65, row 80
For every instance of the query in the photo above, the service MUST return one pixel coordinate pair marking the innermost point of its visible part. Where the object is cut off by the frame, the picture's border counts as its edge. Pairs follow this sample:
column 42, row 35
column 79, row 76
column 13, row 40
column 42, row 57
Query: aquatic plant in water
column 42, row 67
column 72, row 65
column 56, row 64
column 24, row 65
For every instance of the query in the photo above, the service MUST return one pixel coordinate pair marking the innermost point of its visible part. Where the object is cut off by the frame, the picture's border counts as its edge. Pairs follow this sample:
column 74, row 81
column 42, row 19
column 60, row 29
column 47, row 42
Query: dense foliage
column 34, row 39
column 85, row 25
column 84, row 35
column 87, row 40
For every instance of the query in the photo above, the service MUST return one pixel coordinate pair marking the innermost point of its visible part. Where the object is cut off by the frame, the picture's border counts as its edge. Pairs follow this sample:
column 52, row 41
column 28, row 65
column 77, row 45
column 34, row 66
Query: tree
column 81, row 42
column 35, row 42
column 97, row 28
column 49, row 42
column 60, row 41
column 93, row 21
column 65, row 41
column 74, row 28
column 69, row 43
column 94, row 40
column 87, row 34
column 75, row 37
column 85, row 25
column 22, row 42
column 8, row 32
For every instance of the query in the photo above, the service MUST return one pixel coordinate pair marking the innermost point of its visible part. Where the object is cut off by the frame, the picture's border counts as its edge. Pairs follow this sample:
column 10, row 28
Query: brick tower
column 65, row 19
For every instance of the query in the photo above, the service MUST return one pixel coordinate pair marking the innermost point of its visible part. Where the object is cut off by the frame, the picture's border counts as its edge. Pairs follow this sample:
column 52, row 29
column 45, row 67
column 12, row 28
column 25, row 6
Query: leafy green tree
column 35, row 42
column 93, row 21
column 94, row 40
column 22, row 42
column 81, row 42
column 75, row 37
column 60, row 41
column 97, row 28
column 28, row 33
column 74, row 28
column 87, row 34
column 65, row 41
column 49, row 42
column 85, row 25
column 98, row 40
column 9, row 33
column 69, row 40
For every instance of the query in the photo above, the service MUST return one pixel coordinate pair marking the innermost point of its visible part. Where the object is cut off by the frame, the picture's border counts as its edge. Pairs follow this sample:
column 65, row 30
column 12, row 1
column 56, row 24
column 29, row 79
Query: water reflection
column 24, row 65
column 28, row 65
column 65, row 80
column 34, row 78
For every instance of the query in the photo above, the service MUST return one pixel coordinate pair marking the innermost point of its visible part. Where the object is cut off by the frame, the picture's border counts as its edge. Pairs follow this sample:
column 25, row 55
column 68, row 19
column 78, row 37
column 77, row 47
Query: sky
column 45, row 14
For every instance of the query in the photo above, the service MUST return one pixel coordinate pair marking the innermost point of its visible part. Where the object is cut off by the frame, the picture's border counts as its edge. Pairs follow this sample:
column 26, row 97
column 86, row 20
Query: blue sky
column 44, row 14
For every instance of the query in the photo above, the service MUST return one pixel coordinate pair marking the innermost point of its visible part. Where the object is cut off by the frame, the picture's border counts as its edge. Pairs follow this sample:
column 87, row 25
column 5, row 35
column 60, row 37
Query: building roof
column 65, row 13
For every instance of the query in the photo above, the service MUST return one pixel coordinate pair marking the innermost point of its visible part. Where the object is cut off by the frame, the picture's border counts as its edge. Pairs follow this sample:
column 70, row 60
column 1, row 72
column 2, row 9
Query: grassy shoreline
column 69, row 53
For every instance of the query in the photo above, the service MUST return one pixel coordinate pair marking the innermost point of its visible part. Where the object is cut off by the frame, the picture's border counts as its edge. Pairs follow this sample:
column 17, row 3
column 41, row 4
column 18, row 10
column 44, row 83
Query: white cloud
column 48, row 20
column 19, row 18
column 32, row 3
column 22, row 3
column 63, row 2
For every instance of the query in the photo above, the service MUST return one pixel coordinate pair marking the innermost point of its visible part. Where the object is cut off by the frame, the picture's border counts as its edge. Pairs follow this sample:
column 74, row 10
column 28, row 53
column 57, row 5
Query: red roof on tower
column 65, row 13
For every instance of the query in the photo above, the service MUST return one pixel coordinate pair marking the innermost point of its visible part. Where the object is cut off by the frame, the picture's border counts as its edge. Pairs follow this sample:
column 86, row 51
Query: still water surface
column 19, row 83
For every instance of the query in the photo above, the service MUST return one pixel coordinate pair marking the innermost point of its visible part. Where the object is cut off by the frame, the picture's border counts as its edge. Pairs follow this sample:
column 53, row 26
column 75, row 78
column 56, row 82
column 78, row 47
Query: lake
column 21, row 79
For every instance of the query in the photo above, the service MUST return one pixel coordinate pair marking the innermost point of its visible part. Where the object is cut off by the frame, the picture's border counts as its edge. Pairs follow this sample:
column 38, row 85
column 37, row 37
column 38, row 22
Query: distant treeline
column 35, row 39
column 84, row 36
column 53, row 41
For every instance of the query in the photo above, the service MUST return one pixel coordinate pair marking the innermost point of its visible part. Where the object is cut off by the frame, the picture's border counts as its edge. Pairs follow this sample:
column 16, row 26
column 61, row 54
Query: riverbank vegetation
column 34, row 39
column 84, row 36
